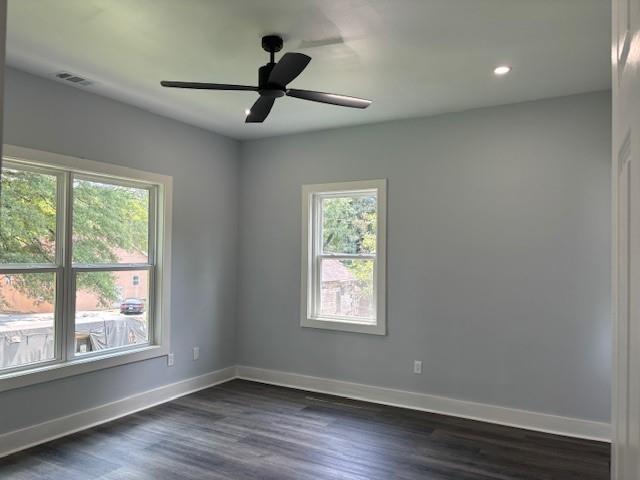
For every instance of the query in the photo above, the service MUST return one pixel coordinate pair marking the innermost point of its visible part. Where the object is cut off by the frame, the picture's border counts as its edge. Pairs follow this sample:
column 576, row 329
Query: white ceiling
column 411, row 57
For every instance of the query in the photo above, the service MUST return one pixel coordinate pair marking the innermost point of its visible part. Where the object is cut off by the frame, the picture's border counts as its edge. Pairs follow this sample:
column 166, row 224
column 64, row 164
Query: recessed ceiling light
column 502, row 70
column 247, row 111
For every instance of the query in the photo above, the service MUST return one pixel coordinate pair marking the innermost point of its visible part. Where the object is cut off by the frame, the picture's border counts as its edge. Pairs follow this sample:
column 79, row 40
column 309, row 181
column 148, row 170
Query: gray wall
column 498, row 249
column 46, row 115
column 498, row 255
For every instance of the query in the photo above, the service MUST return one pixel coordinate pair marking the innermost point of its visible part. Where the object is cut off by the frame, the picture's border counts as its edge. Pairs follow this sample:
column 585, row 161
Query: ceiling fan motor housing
column 266, row 89
column 271, row 44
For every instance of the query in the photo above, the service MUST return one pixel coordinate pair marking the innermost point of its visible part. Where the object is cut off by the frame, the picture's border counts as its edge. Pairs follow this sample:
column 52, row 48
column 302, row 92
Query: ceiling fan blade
column 260, row 110
column 208, row 86
column 332, row 98
column 289, row 67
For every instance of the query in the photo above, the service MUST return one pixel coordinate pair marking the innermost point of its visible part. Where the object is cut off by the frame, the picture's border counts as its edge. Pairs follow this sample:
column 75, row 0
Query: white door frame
column 625, row 264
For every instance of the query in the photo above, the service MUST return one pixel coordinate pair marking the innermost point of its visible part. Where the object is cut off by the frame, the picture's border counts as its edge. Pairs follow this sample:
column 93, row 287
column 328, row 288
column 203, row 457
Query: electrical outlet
column 170, row 360
column 417, row 367
column 196, row 353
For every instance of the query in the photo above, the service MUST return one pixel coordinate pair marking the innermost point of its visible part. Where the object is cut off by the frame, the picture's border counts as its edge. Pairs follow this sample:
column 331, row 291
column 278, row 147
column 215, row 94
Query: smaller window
column 135, row 281
column 343, row 256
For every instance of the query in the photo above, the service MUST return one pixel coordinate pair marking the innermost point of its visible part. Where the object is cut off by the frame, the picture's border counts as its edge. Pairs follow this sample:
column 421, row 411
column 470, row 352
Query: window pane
column 27, row 217
column 26, row 318
column 110, row 223
column 111, row 310
column 349, row 224
column 346, row 288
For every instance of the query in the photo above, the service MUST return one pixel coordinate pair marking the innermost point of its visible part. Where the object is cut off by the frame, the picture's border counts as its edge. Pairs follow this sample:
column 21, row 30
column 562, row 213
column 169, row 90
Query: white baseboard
column 58, row 427
column 43, row 432
column 512, row 417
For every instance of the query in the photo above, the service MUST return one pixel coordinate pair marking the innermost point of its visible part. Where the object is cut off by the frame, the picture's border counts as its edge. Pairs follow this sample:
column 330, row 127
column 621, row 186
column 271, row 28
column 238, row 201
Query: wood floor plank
column 247, row 430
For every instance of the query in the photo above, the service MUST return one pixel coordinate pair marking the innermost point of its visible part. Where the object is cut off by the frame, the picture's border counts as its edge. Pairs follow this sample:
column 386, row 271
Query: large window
column 343, row 278
column 82, row 262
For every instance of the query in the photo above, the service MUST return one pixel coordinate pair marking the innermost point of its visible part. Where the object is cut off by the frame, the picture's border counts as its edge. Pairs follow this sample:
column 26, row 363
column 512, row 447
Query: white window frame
column 66, row 363
column 312, row 196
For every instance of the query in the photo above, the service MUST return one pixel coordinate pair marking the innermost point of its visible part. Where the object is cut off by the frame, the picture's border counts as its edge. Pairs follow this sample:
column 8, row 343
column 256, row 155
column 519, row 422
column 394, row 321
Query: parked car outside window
column 132, row 306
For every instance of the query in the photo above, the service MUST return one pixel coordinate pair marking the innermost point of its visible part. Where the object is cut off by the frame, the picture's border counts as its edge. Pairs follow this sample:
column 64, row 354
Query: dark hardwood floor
column 246, row 430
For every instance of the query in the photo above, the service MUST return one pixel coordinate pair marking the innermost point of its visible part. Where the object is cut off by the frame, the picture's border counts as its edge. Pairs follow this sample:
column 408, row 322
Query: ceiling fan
column 273, row 79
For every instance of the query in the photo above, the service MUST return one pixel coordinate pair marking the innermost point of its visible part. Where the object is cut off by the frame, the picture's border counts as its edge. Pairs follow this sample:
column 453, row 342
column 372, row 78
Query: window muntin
column 343, row 256
column 110, row 236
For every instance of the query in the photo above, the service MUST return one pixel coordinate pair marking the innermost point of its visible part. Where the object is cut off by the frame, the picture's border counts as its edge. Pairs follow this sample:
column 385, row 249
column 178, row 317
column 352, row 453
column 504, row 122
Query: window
column 112, row 239
column 83, row 265
column 30, row 260
column 344, row 256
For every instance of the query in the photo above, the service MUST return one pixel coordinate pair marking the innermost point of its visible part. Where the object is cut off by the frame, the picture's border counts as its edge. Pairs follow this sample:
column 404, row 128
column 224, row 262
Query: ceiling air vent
column 73, row 78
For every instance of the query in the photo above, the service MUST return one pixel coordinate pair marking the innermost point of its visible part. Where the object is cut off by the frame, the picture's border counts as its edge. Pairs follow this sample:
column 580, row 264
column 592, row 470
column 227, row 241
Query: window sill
column 344, row 325
column 47, row 373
